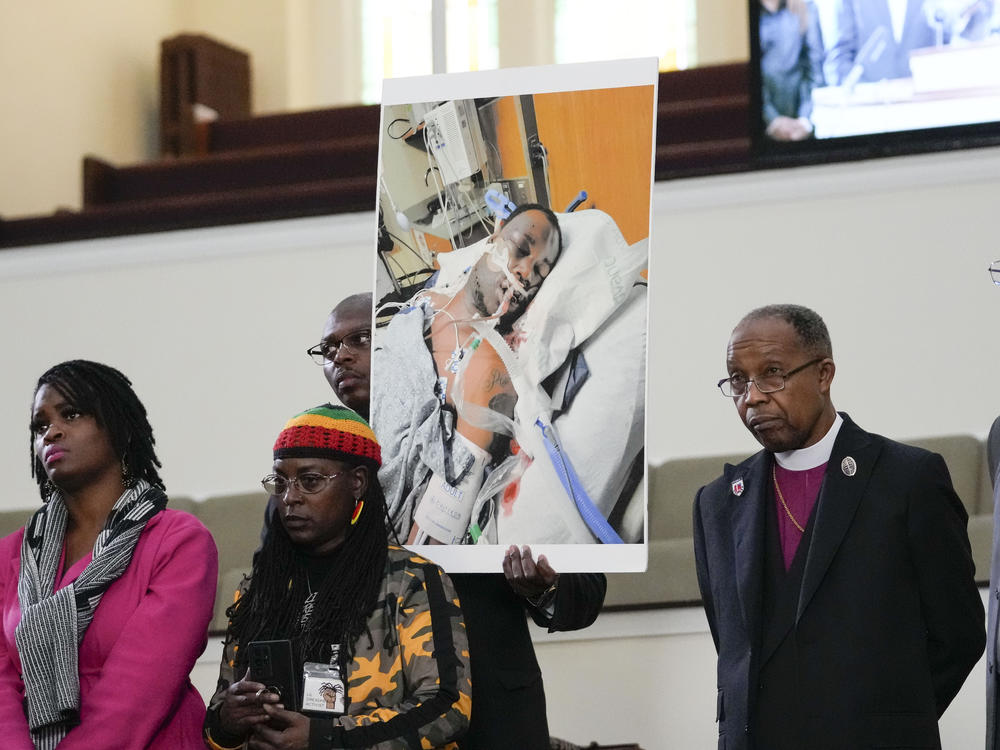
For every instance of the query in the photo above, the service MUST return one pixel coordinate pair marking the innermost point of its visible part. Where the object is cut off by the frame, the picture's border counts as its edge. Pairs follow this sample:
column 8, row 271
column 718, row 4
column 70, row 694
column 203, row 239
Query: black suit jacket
column 888, row 621
column 508, row 700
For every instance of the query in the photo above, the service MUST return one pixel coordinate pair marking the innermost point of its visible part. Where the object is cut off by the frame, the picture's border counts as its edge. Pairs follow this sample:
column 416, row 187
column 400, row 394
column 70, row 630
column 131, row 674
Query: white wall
column 211, row 324
column 892, row 253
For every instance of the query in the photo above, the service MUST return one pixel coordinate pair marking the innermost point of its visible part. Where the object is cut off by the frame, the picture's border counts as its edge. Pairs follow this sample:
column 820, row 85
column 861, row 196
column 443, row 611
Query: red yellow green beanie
column 329, row 431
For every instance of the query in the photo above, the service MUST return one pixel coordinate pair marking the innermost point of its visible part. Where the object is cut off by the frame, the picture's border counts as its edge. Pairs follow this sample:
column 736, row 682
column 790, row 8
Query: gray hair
column 808, row 325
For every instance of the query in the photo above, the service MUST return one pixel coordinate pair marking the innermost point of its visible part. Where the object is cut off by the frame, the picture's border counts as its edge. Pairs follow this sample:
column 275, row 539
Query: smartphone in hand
column 271, row 664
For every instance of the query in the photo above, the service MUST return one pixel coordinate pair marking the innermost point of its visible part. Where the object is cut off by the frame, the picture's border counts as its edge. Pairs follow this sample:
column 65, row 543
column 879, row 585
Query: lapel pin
column 849, row 466
column 738, row 487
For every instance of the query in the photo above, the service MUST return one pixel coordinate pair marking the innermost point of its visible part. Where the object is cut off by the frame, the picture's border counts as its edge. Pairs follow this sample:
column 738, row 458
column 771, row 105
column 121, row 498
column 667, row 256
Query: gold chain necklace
column 784, row 505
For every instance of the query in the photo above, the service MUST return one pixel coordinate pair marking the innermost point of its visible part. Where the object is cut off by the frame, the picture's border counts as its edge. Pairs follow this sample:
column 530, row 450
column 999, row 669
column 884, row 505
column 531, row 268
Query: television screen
column 873, row 76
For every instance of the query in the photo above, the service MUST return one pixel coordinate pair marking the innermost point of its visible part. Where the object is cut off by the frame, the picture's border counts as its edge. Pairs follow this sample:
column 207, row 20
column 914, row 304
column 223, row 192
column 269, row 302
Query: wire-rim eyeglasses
column 356, row 341
column 309, row 483
column 736, row 386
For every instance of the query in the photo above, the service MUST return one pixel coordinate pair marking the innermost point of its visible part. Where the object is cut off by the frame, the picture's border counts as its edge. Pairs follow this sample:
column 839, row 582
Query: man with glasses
column 344, row 351
column 834, row 565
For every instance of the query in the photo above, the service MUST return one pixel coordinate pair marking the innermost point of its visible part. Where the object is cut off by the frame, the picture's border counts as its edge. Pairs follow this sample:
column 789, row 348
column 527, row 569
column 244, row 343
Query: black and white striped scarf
column 53, row 624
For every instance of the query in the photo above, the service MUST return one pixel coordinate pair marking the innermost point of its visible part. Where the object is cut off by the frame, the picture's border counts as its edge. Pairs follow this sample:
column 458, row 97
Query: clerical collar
column 814, row 455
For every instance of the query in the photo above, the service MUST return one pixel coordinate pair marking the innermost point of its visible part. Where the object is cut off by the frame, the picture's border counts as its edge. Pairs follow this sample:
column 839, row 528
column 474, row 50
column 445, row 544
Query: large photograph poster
column 509, row 354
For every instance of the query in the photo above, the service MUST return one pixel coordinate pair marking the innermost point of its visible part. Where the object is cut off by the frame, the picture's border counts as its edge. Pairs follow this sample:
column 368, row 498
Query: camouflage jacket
column 408, row 685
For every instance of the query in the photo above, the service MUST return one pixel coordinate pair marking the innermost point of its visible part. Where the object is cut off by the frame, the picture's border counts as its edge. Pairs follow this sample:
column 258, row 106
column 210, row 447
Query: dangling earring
column 357, row 511
column 127, row 479
column 48, row 487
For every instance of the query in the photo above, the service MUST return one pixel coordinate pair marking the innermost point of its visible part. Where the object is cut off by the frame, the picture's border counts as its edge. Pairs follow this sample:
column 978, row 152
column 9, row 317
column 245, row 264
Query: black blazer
column 889, row 621
column 508, row 700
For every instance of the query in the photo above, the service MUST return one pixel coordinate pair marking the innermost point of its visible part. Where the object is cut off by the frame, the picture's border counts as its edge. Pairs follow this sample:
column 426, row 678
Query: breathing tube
column 594, row 519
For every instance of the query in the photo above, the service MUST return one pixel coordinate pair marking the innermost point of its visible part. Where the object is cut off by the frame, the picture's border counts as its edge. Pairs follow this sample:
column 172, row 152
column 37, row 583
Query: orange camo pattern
column 400, row 670
column 369, row 681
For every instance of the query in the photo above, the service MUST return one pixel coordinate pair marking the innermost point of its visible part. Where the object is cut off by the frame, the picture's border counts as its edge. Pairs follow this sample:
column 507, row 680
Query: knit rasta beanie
column 329, row 431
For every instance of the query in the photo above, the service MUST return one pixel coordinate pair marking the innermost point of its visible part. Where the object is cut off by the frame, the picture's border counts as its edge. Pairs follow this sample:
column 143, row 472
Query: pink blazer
column 135, row 657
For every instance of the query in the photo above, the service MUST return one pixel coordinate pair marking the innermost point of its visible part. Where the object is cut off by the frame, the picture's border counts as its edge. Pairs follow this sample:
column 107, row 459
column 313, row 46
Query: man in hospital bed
column 470, row 429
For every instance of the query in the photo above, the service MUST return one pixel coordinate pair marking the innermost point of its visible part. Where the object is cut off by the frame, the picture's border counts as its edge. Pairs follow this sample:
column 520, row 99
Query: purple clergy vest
column 799, row 489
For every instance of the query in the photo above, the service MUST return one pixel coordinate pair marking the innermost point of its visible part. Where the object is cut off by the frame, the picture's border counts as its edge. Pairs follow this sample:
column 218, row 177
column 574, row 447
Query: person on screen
column 834, row 565
column 877, row 36
column 506, row 679
column 791, row 46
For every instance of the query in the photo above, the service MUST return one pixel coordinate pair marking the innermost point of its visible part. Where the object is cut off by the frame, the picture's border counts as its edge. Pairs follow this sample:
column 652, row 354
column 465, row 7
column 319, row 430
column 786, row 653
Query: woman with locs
column 105, row 594
column 365, row 619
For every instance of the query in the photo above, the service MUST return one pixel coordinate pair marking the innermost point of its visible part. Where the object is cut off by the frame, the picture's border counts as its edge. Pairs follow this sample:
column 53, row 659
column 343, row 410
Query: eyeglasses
column 357, row 341
column 739, row 385
column 994, row 270
column 308, row 484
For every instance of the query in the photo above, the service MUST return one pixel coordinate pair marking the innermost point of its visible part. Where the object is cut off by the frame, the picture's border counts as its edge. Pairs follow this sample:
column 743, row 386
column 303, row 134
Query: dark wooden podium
column 198, row 70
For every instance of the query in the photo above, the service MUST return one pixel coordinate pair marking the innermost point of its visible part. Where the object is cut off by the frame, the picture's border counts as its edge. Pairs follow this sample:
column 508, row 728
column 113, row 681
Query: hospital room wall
column 599, row 141
column 212, row 324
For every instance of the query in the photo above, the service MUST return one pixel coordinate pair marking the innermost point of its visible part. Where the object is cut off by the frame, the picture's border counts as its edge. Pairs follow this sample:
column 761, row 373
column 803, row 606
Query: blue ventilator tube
column 594, row 519
column 580, row 198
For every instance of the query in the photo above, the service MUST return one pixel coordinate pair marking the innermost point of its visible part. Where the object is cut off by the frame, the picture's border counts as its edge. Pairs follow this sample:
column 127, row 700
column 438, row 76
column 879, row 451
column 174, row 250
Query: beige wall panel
column 722, row 31
column 78, row 78
column 261, row 29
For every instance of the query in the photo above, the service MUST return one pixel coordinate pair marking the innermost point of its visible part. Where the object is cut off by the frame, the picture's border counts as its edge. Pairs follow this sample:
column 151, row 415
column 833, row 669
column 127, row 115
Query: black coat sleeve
column 579, row 598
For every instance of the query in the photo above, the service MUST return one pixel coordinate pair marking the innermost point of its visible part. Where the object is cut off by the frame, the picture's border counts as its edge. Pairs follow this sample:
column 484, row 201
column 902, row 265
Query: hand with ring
column 243, row 704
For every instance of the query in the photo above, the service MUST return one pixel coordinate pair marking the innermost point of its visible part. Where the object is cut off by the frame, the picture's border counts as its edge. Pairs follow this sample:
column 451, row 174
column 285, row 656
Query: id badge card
column 322, row 689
